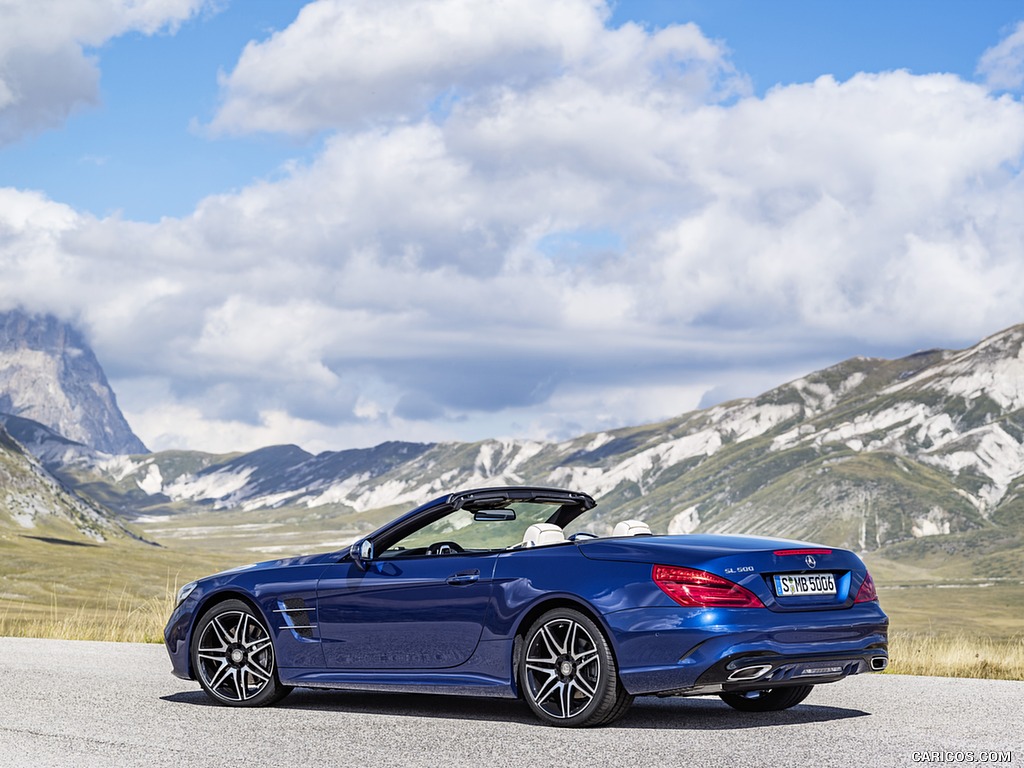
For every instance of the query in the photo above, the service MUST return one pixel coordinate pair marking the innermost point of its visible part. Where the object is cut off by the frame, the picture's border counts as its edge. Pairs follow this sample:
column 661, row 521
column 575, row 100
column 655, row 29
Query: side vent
column 296, row 616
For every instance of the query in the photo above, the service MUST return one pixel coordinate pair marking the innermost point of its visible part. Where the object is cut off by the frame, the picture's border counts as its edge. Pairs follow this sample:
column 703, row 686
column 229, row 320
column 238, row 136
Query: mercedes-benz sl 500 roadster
column 511, row 592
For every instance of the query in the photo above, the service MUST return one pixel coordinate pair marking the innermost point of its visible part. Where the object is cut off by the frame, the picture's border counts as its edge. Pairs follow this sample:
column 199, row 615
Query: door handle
column 463, row 577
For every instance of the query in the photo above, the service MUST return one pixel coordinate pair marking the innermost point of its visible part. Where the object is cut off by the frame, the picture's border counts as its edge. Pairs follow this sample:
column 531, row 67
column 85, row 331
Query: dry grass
column 120, row 591
column 125, row 619
column 957, row 655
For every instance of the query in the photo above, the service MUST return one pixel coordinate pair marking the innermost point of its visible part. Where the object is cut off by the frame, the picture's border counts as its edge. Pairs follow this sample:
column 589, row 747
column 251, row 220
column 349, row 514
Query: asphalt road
column 81, row 704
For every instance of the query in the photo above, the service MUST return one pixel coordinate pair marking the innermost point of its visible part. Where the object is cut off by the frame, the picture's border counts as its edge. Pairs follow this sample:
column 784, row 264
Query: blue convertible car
column 505, row 592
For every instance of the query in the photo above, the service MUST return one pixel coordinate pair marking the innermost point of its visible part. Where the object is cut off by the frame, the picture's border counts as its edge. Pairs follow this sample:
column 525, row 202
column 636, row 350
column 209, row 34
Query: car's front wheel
column 767, row 700
column 233, row 657
column 568, row 673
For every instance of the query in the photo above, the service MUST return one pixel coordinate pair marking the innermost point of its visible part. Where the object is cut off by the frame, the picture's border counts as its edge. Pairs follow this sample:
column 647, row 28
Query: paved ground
column 88, row 704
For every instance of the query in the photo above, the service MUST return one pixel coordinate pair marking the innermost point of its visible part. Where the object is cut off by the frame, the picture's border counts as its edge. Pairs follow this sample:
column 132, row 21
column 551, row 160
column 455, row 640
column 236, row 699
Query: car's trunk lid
column 786, row 575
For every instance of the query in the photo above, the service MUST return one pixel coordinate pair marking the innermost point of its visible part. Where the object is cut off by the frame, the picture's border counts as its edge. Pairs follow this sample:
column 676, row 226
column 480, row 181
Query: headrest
column 632, row 528
column 540, row 534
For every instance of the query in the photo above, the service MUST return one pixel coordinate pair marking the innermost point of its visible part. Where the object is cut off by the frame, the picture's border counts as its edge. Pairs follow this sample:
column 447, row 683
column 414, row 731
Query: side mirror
column 361, row 552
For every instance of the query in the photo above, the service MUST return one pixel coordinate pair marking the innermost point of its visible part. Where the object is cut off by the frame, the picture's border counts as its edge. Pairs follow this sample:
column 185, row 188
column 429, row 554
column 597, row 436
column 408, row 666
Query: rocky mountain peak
column 36, row 504
column 49, row 374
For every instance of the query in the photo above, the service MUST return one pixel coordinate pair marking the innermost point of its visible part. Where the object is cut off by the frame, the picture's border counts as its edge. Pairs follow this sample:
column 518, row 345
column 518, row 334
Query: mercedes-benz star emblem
column 811, row 562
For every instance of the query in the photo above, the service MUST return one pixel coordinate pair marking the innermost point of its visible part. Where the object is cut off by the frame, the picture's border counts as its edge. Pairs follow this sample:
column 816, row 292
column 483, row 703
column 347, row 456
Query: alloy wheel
column 235, row 656
column 563, row 668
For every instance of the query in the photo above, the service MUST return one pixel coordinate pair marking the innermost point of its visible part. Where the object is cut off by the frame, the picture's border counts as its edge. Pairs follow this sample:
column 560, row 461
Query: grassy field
column 54, row 587
column 122, row 621
column 956, row 656
column 947, row 622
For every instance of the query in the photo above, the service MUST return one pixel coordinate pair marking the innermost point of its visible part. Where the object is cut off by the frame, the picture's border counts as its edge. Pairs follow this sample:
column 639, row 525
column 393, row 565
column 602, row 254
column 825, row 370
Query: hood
column 325, row 557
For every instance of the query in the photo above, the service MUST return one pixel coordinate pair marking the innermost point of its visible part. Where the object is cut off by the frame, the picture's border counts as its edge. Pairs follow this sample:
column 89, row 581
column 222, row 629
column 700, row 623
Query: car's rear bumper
column 694, row 651
column 747, row 672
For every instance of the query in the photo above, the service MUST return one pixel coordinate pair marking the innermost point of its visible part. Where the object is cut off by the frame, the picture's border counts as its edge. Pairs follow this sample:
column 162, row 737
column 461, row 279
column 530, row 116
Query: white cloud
column 1002, row 65
column 46, row 71
column 820, row 196
column 173, row 425
column 356, row 62
column 600, row 233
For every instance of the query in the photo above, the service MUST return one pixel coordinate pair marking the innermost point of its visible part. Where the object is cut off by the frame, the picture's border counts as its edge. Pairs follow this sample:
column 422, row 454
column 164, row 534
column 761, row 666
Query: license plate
column 797, row 584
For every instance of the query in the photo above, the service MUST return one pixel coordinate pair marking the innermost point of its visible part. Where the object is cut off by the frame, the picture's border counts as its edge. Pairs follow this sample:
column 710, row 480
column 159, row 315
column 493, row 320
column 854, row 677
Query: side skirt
column 400, row 682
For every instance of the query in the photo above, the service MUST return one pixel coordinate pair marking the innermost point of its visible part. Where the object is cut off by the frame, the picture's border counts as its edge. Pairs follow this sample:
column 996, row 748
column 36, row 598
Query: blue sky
column 143, row 151
column 439, row 219
column 795, row 41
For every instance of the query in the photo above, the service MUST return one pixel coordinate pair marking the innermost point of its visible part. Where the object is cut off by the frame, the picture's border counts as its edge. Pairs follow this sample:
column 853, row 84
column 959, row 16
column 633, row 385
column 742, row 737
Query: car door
column 419, row 612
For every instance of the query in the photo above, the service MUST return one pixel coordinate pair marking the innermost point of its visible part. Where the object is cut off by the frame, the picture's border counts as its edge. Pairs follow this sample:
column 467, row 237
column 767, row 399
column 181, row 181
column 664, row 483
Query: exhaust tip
column 750, row 673
column 878, row 663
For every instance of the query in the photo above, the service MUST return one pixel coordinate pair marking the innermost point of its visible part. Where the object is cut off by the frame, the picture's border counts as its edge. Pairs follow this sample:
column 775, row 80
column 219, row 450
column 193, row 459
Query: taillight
column 693, row 588
column 867, row 592
column 785, row 552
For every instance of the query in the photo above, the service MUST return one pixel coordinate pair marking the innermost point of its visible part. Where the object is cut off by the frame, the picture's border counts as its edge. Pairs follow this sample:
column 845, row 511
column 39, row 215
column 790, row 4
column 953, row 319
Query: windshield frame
column 568, row 505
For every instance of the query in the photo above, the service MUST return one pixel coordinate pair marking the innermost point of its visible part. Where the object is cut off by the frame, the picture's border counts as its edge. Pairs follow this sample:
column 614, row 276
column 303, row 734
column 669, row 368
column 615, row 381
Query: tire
column 767, row 700
column 233, row 657
column 568, row 674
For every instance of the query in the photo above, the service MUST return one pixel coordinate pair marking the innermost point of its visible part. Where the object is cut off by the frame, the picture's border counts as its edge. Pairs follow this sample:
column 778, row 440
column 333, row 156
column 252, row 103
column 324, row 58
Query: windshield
column 469, row 531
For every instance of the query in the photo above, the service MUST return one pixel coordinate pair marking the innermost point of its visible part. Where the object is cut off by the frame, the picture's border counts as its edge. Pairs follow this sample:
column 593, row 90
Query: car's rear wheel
column 233, row 657
column 568, row 673
column 767, row 700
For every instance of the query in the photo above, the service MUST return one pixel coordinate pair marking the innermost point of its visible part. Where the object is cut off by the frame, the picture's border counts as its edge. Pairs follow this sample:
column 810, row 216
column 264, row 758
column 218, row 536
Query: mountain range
column 915, row 456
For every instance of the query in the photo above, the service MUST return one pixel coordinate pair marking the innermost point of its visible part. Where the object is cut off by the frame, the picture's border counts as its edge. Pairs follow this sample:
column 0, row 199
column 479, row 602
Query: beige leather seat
column 542, row 534
column 632, row 528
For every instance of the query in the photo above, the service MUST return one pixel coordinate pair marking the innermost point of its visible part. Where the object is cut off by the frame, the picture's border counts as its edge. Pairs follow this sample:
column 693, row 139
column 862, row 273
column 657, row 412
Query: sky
column 340, row 222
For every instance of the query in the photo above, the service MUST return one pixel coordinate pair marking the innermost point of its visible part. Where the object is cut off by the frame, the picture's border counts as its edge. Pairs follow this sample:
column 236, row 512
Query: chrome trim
column 292, row 610
column 304, row 626
column 750, row 673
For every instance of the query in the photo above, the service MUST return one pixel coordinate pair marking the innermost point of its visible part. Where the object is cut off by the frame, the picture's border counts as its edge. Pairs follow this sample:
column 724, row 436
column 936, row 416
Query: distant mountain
column 34, row 503
column 52, row 449
column 867, row 454
column 50, row 375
